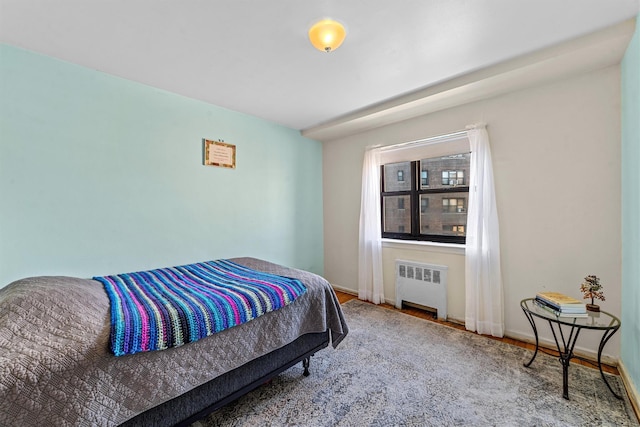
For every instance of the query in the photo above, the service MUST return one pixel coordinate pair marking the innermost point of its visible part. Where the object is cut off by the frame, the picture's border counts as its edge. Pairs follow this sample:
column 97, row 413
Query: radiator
column 424, row 284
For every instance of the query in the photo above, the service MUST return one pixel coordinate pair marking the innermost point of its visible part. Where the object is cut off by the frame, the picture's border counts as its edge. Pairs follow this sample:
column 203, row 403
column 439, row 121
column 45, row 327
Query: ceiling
column 253, row 56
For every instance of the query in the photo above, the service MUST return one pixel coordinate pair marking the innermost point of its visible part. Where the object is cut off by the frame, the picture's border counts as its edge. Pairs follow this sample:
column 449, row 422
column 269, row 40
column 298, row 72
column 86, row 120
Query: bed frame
column 201, row 401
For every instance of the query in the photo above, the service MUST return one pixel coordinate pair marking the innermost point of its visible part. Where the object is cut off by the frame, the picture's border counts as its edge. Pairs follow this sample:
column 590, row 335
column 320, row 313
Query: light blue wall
column 630, row 347
column 103, row 175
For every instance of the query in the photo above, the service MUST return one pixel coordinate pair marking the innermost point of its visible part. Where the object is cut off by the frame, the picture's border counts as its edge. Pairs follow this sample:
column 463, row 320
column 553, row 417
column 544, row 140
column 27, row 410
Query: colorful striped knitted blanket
column 169, row 307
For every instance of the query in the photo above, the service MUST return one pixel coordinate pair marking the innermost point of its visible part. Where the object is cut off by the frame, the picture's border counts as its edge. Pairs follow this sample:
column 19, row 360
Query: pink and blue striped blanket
column 169, row 307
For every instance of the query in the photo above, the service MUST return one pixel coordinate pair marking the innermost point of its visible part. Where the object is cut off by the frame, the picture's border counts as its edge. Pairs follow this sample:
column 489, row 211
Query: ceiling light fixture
column 327, row 35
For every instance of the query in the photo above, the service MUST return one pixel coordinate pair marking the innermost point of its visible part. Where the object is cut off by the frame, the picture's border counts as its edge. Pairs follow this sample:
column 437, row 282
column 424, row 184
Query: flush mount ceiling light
column 327, row 35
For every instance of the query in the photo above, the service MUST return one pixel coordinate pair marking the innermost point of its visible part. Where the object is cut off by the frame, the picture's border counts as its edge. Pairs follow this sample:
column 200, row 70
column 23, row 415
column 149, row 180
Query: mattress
column 56, row 367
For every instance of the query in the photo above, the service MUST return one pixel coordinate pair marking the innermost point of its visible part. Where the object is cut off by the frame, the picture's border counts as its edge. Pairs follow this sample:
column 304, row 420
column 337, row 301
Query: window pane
column 454, row 170
column 392, row 174
column 448, row 216
column 397, row 220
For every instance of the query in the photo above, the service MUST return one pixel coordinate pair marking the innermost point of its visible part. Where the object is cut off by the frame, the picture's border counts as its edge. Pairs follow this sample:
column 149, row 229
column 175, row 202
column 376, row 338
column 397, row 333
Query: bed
column 56, row 368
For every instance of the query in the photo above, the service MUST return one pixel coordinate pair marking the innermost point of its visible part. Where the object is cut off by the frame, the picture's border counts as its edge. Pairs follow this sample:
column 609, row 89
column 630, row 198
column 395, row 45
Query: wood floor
column 423, row 314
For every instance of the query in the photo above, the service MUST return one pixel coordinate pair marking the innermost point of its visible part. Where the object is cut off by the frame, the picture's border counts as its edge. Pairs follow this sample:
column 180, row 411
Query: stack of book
column 561, row 304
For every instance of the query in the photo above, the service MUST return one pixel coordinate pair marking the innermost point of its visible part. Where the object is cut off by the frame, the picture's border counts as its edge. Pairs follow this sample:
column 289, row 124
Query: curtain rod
column 426, row 141
column 431, row 140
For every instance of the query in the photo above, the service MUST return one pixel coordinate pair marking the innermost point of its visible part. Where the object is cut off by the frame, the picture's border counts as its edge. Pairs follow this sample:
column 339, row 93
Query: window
column 454, row 229
column 424, row 203
column 400, row 175
column 452, row 177
column 454, row 205
column 422, row 210
column 424, row 178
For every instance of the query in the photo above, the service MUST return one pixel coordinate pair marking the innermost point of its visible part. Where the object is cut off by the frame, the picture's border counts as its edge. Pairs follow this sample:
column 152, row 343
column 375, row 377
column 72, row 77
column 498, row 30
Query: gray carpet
column 398, row 370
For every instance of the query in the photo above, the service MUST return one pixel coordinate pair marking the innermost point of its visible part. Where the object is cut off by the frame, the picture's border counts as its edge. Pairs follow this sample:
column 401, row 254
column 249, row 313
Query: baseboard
column 632, row 391
column 345, row 290
column 584, row 353
column 545, row 343
column 352, row 292
column 388, row 301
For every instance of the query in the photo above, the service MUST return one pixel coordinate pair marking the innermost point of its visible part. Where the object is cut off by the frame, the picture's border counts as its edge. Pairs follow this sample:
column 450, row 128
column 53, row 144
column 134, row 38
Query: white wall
column 439, row 255
column 556, row 154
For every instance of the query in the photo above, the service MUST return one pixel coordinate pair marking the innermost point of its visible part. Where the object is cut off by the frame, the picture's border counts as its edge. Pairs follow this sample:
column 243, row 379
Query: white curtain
column 370, row 287
column 483, row 279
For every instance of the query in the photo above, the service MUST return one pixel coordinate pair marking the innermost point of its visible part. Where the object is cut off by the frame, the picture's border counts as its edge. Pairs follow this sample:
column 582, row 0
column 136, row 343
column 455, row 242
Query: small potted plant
column 591, row 288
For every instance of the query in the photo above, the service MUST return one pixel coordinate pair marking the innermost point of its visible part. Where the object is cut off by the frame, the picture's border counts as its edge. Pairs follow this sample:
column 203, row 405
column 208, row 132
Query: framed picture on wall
column 218, row 153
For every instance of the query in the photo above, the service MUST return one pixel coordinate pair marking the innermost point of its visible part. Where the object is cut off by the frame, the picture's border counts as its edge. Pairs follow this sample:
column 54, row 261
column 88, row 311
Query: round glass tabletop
column 594, row 320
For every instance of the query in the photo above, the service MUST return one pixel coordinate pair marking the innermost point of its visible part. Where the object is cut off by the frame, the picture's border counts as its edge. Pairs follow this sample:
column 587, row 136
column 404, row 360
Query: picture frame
column 219, row 153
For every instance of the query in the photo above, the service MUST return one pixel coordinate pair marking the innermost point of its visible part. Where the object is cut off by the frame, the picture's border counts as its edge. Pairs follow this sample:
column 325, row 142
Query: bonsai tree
column 591, row 288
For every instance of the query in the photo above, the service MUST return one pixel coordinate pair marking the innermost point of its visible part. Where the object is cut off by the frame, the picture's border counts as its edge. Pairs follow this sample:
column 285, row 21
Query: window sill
column 444, row 248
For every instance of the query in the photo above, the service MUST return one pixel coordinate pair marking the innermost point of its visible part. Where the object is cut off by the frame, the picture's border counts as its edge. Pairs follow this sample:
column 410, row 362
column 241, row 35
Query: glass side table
column 601, row 321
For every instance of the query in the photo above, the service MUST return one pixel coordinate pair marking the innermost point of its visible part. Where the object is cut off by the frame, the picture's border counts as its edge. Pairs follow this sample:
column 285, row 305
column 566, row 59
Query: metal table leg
column 535, row 333
column 605, row 337
column 566, row 353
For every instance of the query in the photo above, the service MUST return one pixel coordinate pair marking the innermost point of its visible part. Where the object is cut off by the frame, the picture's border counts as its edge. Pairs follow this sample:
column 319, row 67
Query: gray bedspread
column 56, row 368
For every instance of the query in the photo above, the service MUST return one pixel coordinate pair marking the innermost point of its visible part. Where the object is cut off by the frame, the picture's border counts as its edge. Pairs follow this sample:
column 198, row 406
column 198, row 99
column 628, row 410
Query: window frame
column 415, row 207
